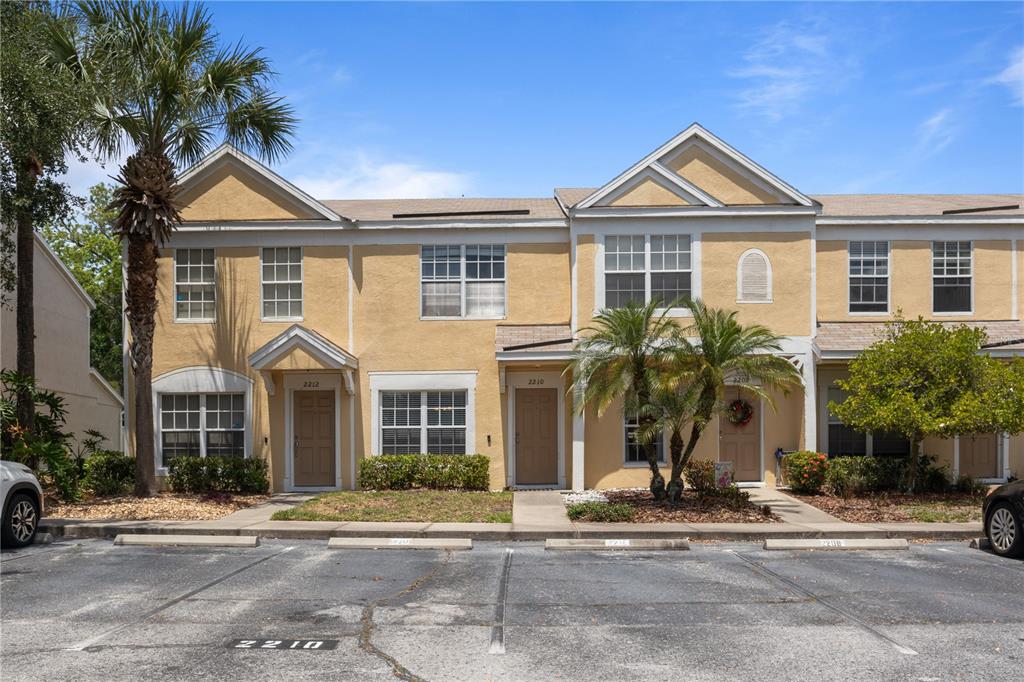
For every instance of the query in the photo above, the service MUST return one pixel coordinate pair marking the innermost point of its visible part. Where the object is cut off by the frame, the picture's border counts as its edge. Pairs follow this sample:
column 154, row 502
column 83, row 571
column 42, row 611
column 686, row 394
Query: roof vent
column 981, row 209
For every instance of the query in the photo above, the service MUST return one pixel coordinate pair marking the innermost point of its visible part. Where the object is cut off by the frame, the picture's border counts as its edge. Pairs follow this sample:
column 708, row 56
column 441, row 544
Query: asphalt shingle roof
column 856, row 336
column 509, row 335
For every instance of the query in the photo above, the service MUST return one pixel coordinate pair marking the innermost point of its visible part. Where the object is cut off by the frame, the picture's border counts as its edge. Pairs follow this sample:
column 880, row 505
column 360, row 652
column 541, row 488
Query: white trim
column 225, row 150
column 739, row 275
column 297, row 336
column 694, row 212
column 814, row 284
column 443, row 380
column 956, row 457
column 1006, row 457
column 527, row 355
column 294, row 382
column 106, row 386
column 351, row 301
column 353, row 483
column 667, row 180
column 48, row 251
column 970, row 220
column 1014, row 310
column 521, row 380
column 685, row 185
column 578, row 451
column 302, row 283
column 200, row 380
column 574, row 313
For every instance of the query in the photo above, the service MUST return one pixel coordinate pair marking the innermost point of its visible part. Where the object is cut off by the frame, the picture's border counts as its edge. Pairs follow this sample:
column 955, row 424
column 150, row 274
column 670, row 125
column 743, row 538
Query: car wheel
column 1004, row 530
column 20, row 521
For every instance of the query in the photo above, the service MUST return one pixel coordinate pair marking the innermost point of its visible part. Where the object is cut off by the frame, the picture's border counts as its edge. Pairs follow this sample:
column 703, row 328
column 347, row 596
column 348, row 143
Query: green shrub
column 439, row 472
column 805, row 471
column 600, row 512
column 218, row 474
column 853, row 476
column 970, row 486
column 700, row 474
column 108, row 472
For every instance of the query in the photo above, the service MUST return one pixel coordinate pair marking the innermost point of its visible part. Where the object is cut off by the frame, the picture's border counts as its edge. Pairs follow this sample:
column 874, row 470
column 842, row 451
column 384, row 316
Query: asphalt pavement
column 508, row 611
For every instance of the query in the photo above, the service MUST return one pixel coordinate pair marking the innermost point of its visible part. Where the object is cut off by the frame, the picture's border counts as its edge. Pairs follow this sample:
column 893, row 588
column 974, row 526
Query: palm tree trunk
column 141, row 313
column 675, row 482
column 26, row 328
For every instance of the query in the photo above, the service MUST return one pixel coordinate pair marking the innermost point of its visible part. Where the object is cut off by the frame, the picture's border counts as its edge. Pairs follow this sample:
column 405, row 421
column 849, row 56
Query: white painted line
column 400, row 543
column 836, row 544
column 639, row 544
column 139, row 539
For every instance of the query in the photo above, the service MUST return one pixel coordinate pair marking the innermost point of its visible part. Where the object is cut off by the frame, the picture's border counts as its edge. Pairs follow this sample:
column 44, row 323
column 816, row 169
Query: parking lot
column 89, row 610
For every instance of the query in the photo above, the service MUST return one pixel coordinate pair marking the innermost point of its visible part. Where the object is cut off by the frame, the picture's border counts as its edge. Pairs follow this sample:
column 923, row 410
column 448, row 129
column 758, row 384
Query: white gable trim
column 665, row 179
column 297, row 336
column 698, row 131
column 685, row 185
column 105, row 385
column 199, row 170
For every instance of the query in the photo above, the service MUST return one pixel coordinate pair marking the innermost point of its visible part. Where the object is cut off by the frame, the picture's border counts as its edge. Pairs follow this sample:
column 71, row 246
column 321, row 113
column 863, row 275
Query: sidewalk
column 536, row 515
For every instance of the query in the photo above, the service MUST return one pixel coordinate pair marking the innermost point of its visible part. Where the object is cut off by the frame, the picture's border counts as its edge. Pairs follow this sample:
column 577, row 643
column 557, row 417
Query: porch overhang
column 846, row 340
column 531, row 343
column 295, row 341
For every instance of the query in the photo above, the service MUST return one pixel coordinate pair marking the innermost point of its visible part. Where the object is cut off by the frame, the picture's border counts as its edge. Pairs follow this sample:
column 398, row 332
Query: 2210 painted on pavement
column 284, row 644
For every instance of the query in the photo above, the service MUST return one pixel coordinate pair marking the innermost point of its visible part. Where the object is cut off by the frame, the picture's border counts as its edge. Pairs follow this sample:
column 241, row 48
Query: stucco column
column 577, row 451
column 810, row 372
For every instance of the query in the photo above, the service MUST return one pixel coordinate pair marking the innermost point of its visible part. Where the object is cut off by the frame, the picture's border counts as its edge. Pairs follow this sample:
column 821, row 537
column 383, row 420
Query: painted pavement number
column 831, row 542
column 284, row 644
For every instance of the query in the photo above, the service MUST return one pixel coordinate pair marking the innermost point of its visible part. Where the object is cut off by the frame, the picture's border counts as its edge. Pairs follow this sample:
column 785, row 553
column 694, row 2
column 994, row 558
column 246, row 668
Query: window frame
column 626, row 462
column 463, row 279
column 174, row 266
column 203, row 428
column 888, row 278
column 970, row 248
column 601, row 300
column 301, row 283
column 739, row 278
column 424, row 427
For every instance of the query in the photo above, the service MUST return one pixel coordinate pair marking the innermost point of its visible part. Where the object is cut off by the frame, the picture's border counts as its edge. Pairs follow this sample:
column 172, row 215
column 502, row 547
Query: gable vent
column 754, row 278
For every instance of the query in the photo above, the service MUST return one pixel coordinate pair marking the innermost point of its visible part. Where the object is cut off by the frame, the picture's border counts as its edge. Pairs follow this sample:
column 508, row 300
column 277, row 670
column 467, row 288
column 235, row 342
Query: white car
column 23, row 504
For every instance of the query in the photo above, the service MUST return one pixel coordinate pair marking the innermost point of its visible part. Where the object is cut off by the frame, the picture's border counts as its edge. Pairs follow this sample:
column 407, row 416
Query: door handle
column 517, row 438
column 295, row 448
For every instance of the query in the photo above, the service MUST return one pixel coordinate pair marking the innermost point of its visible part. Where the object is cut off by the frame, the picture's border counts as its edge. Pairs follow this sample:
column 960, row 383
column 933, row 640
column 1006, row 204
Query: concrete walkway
column 539, row 513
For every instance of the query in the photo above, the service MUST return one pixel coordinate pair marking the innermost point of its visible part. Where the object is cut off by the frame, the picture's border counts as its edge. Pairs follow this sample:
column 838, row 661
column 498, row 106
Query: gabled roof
column 297, row 336
column 697, row 133
column 227, row 151
column 65, row 272
column 405, row 210
column 963, row 205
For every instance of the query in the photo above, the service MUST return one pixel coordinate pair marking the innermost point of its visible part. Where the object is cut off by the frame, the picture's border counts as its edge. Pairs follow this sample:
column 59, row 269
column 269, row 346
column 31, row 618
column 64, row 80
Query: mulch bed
column 690, row 509
column 163, row 507
column 898, row 507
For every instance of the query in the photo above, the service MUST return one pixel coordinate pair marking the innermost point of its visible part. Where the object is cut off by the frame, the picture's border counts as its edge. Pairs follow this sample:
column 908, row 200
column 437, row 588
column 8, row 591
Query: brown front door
column 741, row 445
column 979, row 455
column 314, row 438
column 536, row 436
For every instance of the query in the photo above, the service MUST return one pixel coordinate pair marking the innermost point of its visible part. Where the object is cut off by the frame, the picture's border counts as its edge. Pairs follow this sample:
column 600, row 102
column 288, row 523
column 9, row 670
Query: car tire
column 20, row 521
column 1004, row 530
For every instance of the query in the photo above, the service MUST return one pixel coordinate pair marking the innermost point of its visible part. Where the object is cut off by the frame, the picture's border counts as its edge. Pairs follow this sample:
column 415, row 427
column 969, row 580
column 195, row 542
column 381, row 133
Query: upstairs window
column 754, row 278
column 869, row 277
column 462, row 281
column 195, row 289
column 414, row 422
column 951, row 277
column 641, row 268
column 281, row 282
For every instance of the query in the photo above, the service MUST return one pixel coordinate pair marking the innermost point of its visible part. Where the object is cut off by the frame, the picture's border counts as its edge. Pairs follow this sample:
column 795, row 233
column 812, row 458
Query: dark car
column 1003, row 512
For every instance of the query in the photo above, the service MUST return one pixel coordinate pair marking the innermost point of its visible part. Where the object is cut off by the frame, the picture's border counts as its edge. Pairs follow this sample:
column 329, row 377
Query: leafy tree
column 925, row 379
column 90, row 248
column 625, row 354
column 41, row 121
column 175, row 91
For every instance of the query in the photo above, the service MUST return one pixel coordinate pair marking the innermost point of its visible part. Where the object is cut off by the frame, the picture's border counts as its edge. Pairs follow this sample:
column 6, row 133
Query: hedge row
column 440, row 472
column 218, row 475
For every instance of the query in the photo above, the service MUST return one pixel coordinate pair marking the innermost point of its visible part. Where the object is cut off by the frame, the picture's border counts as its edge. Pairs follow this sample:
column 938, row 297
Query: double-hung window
column 641, row 268
column 281, row 282
column 869, row 277
column 635, row 452
column 951, row 277
column 462, row 281
column 413, row 422
column 195, row 289
column 845, row 440
column 202, row 425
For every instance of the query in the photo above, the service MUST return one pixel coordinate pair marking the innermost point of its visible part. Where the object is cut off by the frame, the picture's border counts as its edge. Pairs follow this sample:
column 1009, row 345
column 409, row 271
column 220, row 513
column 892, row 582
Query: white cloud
column 83, row 175
column 936, row 132
column 363, row 177
column 1013, row 76
column 341, row 75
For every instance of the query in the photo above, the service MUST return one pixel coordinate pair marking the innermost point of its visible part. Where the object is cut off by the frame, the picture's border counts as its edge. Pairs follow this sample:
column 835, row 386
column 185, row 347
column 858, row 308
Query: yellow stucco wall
column 910, row 265
column 719, row 180
column 789, row 253
column 233, row 193
column 649, row 193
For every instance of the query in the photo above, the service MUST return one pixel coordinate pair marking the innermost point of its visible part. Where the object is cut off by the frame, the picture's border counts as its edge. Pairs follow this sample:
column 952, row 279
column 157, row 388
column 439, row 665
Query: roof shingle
column 856, row 336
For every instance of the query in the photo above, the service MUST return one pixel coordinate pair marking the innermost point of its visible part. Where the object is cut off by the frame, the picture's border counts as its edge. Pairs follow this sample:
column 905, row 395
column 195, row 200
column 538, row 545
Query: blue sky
column 412, row 100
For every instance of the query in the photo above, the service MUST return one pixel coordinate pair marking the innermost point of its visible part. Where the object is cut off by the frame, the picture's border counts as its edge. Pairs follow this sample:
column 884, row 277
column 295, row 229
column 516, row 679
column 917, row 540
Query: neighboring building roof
column 105, row 385
column 547, row 337
column 65, row 272
column 856, row 336
column 918, row 204
column 498, row 210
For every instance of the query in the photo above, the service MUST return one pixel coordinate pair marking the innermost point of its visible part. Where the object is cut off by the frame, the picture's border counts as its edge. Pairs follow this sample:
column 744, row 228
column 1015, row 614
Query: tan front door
column 979, row 455
column 741, row 445
column 313, row 440
column 536, row 436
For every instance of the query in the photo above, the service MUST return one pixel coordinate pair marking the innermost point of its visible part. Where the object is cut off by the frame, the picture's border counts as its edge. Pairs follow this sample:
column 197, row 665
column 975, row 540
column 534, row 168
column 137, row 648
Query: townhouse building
column 314, row 333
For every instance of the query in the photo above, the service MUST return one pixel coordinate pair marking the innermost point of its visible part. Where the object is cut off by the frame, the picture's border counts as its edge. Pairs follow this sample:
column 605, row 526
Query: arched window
column 754, row 278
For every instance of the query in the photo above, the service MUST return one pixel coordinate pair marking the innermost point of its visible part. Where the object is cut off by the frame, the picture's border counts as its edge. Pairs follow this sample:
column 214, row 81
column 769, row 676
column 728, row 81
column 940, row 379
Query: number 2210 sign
column 284, row 644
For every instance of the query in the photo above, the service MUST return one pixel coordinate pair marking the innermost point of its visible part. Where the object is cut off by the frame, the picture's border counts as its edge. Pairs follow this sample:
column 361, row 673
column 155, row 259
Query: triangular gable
column 328, row 355
column 229, row 185
column 710, row 166
column 657, row 186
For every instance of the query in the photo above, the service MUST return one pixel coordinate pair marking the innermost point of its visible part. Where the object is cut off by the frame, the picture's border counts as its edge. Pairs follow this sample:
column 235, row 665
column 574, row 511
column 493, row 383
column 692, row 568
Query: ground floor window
column 202, row 425
column 844, row 440
column 413, row 422
column 634, row 448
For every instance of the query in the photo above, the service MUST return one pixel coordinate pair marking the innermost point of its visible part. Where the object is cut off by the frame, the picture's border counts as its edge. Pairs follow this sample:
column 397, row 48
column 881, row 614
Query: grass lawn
column 404, row 505
column 896, row 507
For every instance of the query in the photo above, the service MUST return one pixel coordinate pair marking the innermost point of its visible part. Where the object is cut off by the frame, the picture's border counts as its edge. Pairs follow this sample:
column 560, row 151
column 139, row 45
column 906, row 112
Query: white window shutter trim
column 754, row 277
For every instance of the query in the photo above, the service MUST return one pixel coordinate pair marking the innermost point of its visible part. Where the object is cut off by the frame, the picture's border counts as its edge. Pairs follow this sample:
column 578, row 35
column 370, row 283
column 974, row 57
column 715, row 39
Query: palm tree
column 176, row 92
column 716, row 348
column 624, row 354
column 672, row 406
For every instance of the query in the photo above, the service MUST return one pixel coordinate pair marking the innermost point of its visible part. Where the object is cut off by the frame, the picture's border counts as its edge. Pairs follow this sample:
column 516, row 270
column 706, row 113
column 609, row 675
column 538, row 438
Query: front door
column 536, row 436
column 313, row 441
column 979, row 455
column 741, row 443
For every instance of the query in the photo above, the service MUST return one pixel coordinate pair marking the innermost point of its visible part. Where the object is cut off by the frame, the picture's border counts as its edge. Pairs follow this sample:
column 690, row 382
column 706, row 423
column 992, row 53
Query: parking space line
column 498, row 629
column 82, row 646
column 793, row 586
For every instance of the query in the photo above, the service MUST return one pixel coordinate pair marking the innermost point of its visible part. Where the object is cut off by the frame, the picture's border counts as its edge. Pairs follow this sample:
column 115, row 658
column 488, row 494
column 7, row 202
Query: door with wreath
column 739, row 435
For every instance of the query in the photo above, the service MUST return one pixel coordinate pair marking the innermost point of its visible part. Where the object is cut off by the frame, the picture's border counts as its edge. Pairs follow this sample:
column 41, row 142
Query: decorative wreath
column 739, row 413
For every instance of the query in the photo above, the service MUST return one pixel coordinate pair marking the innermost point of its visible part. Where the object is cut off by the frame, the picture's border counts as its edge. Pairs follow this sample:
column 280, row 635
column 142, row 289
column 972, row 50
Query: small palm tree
column 672, row 406
column 714, row 349
column 175, row 92
column 623, row 355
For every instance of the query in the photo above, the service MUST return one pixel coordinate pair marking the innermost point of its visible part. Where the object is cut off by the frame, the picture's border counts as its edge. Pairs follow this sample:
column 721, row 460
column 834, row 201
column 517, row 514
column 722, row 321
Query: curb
column 617, row 544
column 169, row 540
column 837, row 544
column 400, row 543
